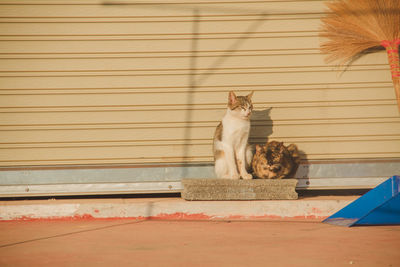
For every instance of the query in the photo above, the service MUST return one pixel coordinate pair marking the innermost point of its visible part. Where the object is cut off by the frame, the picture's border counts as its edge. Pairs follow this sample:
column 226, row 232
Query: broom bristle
column 354, row 26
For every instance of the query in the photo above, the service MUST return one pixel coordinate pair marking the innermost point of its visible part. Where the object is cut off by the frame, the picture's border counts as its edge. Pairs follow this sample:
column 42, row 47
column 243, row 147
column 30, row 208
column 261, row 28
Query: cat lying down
column 275, row 161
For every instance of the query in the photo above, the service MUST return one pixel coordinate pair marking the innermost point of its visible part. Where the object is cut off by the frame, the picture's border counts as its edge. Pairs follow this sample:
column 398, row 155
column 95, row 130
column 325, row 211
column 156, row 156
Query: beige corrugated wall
column 100, row 82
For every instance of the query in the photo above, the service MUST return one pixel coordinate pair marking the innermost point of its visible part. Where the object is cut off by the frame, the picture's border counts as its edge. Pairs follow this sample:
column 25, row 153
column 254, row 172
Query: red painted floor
column 195, row 243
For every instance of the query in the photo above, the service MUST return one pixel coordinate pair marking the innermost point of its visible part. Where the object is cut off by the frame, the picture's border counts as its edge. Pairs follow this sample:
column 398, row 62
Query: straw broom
column 354, row 27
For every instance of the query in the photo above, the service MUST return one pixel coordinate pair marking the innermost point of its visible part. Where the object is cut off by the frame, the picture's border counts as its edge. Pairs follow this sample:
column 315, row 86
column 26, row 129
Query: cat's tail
column 249, row 157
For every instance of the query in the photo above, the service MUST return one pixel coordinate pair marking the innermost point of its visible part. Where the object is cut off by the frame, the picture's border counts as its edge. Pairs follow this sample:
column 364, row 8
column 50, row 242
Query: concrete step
column 227, row 189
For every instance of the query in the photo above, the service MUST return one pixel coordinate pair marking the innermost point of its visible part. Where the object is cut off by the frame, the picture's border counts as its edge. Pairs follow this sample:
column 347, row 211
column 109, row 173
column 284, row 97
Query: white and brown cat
column 232, row 153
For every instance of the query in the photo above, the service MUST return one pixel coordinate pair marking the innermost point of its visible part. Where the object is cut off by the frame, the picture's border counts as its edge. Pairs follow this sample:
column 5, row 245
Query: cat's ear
column 292, row 148
column 232, row 98
column 249, row 96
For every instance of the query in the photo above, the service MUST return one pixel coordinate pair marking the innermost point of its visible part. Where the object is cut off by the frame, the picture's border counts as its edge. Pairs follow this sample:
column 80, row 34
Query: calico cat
column 275, row 161
column 232, row 153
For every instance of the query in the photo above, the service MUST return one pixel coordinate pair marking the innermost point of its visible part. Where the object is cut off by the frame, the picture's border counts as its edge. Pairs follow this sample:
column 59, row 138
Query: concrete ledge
column 170, row 209
column 226, row 189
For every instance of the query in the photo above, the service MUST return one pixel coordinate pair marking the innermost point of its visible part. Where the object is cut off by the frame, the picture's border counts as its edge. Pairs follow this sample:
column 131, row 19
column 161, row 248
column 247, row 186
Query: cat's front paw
column 247, row 176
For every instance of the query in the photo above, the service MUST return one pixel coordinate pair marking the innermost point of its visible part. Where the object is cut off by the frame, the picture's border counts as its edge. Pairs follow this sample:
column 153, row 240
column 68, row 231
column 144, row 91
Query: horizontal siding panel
column 331, row 131
column 167, row 9
column 203, row 62
column 200, row 54
column 83, row 123
column 116, row 135
column 97, row 46
column 233, row 61
column 199, row 131
column 217, row 78
column 137, row 145
column 197, row 73
column 209, row 88
column 245, row 26
column 167, row 45
column 41, row 115
column 105, row 160
column 137, row 100
column 335, row 148
column 124, row 154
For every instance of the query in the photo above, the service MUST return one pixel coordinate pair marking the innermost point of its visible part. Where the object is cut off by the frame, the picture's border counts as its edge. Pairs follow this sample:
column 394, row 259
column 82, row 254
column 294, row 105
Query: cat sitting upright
column 232, row 153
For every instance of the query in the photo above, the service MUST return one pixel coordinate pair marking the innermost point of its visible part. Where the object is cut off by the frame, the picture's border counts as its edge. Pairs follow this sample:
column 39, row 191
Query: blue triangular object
column 379, row 206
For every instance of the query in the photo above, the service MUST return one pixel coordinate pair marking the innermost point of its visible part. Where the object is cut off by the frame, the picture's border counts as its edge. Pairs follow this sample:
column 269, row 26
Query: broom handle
column 392, row 50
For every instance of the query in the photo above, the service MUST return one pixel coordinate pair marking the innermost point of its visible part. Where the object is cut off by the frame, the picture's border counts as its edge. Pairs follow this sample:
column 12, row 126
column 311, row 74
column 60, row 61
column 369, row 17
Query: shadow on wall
column 261, row 126
column 261, row 130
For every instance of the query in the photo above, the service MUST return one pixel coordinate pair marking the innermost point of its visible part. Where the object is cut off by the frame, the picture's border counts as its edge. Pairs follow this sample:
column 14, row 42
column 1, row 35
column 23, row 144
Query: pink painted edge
column 178, row 216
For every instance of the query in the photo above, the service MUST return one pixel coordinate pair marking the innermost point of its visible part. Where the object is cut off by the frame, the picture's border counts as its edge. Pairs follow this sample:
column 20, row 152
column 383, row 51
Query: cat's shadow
column 261, row 126
column 260, row 131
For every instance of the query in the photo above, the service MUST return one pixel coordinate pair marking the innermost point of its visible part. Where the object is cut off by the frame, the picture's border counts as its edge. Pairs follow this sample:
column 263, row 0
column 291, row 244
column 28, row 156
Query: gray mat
column 225, row 189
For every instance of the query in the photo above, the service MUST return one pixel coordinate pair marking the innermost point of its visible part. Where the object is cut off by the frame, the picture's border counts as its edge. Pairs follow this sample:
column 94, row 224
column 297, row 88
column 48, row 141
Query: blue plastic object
column 380, row 206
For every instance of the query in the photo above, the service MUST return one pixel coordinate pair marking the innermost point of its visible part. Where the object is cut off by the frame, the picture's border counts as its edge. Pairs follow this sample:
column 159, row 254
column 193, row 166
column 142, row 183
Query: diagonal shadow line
column 69, row 234
column 231, row 50
column 192, row 86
